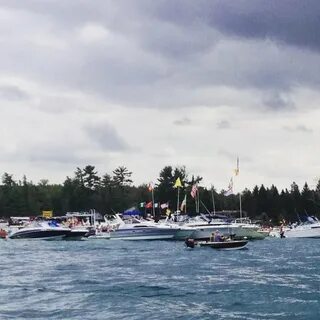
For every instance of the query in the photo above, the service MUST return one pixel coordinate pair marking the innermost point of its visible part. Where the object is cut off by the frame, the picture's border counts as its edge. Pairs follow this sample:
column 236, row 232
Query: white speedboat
column 303, row 230
column 137, row 229
column 40, row 230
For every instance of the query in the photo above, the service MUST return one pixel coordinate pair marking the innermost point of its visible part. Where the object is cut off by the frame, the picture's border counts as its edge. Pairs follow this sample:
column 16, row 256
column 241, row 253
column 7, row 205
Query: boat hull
column 225, row 245
column 221, row 245
column 143, row 234
column 76, row 234
column 249, row 233
column 303, row 233
column 39, row 234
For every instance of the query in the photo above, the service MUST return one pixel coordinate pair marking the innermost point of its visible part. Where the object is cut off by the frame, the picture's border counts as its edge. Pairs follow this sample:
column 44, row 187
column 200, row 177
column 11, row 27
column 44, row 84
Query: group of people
column 216, row 236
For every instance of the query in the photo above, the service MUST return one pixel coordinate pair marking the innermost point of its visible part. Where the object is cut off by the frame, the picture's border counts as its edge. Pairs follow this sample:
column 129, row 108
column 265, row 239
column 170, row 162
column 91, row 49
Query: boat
column 76, row 233
column 40, row 229
column 221, row 245
column 248, row 230
column 137, row 229
column 307, row 229
column 203, row 226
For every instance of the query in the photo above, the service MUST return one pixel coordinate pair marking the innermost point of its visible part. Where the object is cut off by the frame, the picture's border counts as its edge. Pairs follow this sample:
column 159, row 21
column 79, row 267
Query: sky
column 147, row 84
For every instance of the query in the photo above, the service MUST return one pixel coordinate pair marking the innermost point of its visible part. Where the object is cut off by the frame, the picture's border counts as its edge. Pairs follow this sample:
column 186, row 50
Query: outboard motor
column 189, row 243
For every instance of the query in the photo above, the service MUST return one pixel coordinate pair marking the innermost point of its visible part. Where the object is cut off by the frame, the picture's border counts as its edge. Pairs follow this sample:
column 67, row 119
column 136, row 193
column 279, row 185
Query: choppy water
column 101, row 279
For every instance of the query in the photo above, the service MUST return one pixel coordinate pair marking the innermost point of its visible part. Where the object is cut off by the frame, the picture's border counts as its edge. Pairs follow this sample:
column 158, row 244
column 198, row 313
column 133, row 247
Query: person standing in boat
column 216, row 236
column 282, row 231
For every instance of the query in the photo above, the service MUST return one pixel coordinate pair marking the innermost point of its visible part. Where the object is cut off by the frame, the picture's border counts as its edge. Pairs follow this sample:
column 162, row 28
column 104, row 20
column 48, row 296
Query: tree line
column 115, row 192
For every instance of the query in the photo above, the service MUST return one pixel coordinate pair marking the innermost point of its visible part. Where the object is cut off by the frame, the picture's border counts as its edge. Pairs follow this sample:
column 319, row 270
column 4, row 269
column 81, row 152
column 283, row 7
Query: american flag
column 150, row 186
column 164, row 205
column 230, row 188
column 194, row 191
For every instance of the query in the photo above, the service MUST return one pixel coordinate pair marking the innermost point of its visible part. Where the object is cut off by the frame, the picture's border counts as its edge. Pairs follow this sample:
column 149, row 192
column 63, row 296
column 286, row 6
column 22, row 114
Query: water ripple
column 273, row 279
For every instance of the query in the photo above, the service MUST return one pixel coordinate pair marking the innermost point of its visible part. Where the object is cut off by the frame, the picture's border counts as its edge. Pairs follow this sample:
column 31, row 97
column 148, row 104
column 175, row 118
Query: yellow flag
column 47, row 214
column 236, row 171
column 178, row 183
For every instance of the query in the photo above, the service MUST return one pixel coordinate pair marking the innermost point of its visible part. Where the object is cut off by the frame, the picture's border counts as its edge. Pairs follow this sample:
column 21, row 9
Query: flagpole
column 240, row 206
column 213, row 204
column 236, row 175
column 178, row 199
column 198, row 200
column 185, row 206
column 153, row 212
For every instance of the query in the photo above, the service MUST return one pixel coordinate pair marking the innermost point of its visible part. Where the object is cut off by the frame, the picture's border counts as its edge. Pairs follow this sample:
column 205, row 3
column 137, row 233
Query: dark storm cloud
column 290, row 21
column 294, row 22
column 106, row 137
column 164, row 53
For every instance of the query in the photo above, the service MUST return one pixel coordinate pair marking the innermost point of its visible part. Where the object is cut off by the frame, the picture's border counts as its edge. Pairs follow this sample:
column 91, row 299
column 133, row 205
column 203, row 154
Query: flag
column 236, row 171
column 47, row 214
column 194, row 191
column 150, row 186
column 149, row 205
column 164, row 205
column 168, row 212
column 142, row 204
column 178, row 183
column 183, row 203
column 156, row 205
column 230, row 188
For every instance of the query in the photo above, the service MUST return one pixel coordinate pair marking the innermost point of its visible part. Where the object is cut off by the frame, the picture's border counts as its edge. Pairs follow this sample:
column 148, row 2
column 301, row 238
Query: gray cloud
column 298, row 128
column 153, row 54
column 223, row 124
column 182, row 122
column 288, row 21
column 278, row 101
column 106, row 137
column 12, row 93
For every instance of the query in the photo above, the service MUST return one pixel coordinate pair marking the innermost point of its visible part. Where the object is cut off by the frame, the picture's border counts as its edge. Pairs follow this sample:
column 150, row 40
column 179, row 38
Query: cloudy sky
column 145, row 84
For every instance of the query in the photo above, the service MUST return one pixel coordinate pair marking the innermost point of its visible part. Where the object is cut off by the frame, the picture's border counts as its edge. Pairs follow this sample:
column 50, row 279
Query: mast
column 213, row 204
column 153, row 212
column 240, row 206
column 198, row 201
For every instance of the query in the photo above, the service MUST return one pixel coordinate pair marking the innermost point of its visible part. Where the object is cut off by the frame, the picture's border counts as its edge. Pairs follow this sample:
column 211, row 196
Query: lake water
column 103, row 279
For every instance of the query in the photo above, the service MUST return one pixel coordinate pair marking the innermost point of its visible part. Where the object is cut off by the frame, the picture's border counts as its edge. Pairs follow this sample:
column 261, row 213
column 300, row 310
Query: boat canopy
column 132, row 212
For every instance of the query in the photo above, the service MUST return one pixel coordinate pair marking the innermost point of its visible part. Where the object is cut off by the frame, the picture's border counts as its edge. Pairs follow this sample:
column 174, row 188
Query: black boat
column 221, row 245
column 40, row 230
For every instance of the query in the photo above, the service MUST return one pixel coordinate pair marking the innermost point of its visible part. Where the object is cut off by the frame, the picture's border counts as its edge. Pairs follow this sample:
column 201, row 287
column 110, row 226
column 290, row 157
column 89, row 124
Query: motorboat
column 245, row 229
column 203, row 227
column 40, row 229
column 307, row 229
column 221, row 245
column 137, row 229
